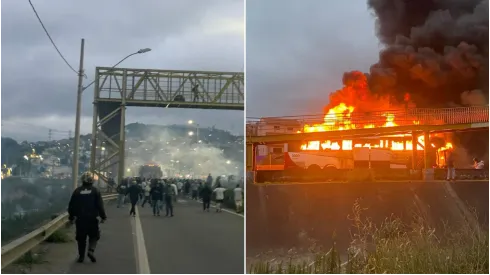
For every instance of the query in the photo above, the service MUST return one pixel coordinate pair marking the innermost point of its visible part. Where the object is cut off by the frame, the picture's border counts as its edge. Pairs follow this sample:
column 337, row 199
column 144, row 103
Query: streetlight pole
column 76, row 146
column 79, row 108
column 190, row 122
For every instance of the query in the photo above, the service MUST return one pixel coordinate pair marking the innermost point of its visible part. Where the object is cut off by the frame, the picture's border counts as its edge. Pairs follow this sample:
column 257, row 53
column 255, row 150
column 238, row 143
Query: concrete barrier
column 286, row 216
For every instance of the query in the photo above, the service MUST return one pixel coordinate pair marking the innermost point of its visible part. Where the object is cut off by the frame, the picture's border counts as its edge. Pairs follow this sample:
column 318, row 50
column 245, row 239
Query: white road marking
column 142, row 265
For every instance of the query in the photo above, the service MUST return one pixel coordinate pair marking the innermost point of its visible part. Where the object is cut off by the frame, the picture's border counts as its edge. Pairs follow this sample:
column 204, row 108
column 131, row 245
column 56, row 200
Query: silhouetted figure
column 85, row 206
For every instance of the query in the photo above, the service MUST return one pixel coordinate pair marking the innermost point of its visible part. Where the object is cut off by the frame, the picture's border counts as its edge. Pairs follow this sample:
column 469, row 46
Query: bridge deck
column 192, row 241
column 345, row 125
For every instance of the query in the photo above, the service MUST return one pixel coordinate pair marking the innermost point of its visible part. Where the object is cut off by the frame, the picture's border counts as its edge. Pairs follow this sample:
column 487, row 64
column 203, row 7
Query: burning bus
column 390, row 151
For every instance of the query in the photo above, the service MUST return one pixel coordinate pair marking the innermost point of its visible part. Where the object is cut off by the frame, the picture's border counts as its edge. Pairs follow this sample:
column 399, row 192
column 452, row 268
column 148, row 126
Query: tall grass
column 394, row 247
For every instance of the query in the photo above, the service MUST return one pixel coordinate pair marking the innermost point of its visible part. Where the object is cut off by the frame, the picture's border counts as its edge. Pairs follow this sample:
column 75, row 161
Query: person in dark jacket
column 121, row 191
column 84, row 208
column 206, row 193
column 156, row 194
column 169, row 195
column 134, row 192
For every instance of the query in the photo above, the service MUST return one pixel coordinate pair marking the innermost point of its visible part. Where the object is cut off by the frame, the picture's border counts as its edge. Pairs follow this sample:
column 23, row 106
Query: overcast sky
column 39, row 90
column 297, row 51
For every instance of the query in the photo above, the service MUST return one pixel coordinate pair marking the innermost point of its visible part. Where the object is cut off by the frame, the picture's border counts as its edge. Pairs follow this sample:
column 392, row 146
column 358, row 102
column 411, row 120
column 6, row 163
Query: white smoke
column 182, row 155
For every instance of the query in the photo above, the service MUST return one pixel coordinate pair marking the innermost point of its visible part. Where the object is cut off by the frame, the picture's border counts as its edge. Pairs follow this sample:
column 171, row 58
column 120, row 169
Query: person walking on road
column 170, row 192
column 451, row 170
column 134, row 192
column 206, row 193
column 194, row 187
column 156, row 194
column 238, row 196
column 146, row 192
column 84, row 208
column 175, row 191
column 220, row 196
column 121, row 191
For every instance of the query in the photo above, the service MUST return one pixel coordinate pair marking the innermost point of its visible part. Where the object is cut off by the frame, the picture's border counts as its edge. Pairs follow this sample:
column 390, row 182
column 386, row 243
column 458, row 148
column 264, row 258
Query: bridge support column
column 250, row 156
column 414, row 150
column 426, row 150
column 428, row 170
column 122, row 129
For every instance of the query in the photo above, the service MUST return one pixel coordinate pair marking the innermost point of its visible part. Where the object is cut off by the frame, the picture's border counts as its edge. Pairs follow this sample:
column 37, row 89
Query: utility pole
column 76, row 145
column 50, row 134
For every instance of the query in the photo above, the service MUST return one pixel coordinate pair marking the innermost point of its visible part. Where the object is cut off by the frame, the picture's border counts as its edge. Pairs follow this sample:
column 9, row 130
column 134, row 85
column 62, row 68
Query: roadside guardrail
column 15, row 249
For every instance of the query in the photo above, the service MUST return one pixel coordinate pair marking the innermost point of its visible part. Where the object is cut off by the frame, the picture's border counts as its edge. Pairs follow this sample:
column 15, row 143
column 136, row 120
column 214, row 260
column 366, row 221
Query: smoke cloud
column 182, row 155
column 435, row 54
column 435, row 50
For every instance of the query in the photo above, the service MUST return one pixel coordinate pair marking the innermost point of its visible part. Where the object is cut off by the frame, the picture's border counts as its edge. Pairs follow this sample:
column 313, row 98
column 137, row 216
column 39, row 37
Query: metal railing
column 359, row 120
column 15, row 249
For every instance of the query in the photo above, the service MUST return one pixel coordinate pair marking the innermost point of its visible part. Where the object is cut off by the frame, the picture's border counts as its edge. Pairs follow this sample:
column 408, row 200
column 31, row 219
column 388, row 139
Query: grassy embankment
column 393, row 247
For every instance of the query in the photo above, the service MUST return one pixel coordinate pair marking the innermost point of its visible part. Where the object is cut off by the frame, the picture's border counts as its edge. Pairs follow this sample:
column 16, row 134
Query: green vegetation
column 394, row 247
column 59, row 236
column 29, row 259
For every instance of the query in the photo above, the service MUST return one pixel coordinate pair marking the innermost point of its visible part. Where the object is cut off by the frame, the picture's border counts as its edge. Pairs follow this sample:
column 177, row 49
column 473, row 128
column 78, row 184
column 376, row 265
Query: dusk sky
column 39, row 90
column 297, row 52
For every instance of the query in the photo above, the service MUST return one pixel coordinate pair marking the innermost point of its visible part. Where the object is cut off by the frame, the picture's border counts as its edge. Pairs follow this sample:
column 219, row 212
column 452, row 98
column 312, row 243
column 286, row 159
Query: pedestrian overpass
column 117, row 88
column 280, row 130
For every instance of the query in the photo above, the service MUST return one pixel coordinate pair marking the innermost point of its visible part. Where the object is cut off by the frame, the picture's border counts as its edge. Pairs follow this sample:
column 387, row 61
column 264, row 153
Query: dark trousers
column 133, row 209
column 87, row 228
column 146, row 200
column 205, row 203
column 169, row 207
column 194, row 194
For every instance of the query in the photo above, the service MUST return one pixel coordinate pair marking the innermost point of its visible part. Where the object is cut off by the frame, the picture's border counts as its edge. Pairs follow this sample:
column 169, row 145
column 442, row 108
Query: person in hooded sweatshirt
column 156, row 194
column 84, row 208
column 134, row 192
column 206, row 193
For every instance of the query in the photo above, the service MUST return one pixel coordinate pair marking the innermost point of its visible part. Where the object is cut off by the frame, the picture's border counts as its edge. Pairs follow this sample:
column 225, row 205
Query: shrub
column 394, row 247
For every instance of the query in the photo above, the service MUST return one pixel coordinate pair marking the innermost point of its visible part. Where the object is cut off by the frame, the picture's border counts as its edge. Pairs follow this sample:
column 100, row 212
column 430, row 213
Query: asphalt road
column 191, row 242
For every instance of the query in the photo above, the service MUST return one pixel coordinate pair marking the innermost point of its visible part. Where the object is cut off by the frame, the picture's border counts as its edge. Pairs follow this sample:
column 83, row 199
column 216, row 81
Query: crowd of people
column 158, row 192
column 86, row 205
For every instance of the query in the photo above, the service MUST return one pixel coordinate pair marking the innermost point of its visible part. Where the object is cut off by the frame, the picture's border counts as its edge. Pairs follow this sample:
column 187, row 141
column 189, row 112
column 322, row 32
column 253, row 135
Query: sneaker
column 91, row 256
column 80, row 259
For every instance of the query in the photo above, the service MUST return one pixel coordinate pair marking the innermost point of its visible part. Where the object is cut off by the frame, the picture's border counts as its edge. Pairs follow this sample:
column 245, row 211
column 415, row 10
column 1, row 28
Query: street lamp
column 79, row 107
column 197, row 128
column 191, row 133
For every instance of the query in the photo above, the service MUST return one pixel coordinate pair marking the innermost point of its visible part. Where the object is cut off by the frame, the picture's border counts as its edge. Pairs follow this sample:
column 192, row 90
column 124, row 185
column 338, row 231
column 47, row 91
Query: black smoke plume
column 434, row 50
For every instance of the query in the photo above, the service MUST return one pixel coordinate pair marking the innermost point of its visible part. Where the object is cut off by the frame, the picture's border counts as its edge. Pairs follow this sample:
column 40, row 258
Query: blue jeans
column 157, row 205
